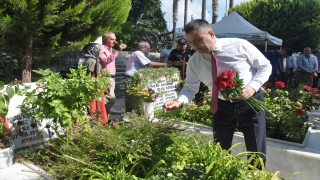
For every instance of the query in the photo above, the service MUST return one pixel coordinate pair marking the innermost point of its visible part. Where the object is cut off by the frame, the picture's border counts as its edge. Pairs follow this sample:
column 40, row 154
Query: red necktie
column 214, row 102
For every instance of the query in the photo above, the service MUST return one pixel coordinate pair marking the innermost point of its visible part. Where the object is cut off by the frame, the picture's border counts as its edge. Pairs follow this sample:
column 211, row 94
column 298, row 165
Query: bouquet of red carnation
column 230, row 86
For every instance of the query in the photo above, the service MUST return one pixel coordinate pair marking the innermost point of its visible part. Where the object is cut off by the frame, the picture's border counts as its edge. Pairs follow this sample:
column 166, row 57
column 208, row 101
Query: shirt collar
column 218, row 46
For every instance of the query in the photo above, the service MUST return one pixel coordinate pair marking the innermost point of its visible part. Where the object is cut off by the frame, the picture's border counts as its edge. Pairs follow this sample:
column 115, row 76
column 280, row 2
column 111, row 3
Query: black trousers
column 252, row 125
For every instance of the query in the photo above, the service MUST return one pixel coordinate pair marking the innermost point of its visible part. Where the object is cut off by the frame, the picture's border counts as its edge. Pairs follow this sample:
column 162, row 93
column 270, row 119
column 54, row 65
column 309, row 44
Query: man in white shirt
column 136, row 62
column 165, row 52
column 231, row 54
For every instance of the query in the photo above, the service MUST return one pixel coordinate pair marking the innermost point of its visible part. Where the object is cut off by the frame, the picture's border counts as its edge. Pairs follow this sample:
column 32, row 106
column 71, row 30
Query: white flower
column 169, row 174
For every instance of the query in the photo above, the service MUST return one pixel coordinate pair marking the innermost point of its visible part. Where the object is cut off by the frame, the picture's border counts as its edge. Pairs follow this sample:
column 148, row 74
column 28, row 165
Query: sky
column 194, row 9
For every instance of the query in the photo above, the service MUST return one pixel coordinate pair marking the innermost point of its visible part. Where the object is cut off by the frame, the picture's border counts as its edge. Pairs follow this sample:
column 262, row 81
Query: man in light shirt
column 107, row 60
column 306, row 68
column 165, row 52
column 231, row 54
column 137, row 61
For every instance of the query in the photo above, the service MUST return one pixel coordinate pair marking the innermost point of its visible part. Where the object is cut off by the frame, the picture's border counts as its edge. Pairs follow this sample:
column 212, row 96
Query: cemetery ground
column 136, row 148
column 139, row 149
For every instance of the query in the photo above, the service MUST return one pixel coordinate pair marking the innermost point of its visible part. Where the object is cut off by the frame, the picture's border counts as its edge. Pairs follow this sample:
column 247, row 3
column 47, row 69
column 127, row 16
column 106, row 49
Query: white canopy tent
column 235, row 26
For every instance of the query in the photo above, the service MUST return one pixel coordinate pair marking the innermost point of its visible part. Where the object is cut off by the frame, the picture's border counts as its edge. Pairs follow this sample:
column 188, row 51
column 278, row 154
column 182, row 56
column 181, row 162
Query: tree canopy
column 33, row 28
column 296, row 22
column 145, row 16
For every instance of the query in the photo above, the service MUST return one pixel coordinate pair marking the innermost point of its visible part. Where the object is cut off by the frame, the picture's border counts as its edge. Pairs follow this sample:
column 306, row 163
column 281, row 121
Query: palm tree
column 214, row 11
column 231, row 4
column 186, row 11
column 204, row 10
column 175, row 16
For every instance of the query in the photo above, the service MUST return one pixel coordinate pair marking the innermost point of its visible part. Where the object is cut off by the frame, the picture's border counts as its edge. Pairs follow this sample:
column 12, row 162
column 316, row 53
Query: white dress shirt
column 232, row 54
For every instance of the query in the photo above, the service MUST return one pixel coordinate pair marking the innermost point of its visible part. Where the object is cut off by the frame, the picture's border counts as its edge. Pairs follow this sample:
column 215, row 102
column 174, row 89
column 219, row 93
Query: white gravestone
column 163, row 86
column 26, row 132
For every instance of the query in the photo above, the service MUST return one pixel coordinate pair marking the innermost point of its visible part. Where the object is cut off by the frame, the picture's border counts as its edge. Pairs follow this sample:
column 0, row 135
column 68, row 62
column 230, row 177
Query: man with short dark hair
column 214, row 55
column 179, row 57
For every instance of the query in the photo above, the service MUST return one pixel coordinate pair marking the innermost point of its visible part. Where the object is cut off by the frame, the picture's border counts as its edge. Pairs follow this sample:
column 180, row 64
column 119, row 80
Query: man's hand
column 247, row 92
column 315, row 74
column 122, row 46
column 171, row 106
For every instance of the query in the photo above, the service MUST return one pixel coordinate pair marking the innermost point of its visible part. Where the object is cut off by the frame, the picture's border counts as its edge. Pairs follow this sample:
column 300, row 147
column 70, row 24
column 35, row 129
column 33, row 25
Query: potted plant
column 6, row 148
column 148, row 96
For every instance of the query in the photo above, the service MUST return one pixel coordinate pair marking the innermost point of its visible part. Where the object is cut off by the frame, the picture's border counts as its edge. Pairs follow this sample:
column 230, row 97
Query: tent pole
column 266, row 44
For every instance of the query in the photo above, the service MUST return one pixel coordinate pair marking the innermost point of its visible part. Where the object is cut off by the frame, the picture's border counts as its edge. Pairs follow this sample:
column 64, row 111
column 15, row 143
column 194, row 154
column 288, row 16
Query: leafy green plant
column 286, row 117
column 5, row 96
column 141, row 150
column 8, row 65
column 63, row 100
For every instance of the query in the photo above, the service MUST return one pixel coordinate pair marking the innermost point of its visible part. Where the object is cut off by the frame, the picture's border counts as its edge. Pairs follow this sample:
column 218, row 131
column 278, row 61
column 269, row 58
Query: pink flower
column 209, row 93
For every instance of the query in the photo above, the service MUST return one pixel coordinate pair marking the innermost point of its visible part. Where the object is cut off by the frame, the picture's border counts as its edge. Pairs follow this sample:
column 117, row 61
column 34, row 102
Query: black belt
column 303, row 72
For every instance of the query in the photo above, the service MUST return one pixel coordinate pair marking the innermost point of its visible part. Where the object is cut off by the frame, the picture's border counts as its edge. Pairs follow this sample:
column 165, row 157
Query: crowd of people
column 300, row 68
column 201, row 57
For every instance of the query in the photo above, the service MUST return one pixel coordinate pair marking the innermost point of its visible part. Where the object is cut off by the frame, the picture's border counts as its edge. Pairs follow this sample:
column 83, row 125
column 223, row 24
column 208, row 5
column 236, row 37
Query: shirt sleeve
column 106, row 56
column 142, row 59
column 260, row 63
column 162, row 53
column 191, row 85
column 315, row 66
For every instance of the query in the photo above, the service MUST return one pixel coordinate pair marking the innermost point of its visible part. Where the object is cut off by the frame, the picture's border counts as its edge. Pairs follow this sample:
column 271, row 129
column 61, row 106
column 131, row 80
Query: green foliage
column 287, row 117
column 5, row 96
column 200, row 113
column 63, row 100
column 9, row 65
column 43, row 29
column 296, row 22
column 145, row 16
column 141, row 150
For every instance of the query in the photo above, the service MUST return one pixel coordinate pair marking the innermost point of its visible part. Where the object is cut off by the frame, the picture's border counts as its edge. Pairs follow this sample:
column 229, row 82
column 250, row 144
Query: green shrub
column 8, row 65
column 287, row 117
column 63, row 100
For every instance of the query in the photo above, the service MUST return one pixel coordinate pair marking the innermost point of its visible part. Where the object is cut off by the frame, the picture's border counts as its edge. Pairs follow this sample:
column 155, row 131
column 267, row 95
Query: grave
column 27, row 132
column 163, row 86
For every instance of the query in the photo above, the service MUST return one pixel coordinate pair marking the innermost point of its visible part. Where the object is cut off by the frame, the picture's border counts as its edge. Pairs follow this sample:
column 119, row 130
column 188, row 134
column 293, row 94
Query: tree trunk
column 231, row 4
column 204, row 10
column 185, row 12
column 175, row 18
column 214, row 11
column 26, row 64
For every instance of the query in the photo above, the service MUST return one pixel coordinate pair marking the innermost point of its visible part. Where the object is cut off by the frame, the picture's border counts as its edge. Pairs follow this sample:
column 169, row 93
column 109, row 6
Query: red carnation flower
column 200, row 103
column 279, row 84
column 306, row 88
column 294, row 100
column 299, row 111
column 222, row 85
column 231, row 84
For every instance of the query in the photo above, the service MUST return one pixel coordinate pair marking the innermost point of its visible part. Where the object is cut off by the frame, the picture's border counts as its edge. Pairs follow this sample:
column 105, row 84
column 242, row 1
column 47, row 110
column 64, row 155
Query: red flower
column 294, row 100
column 200, row 103
column 279, row 84
column 221, row 85
column 225, row 80
column 231, row 84
column 306, row 88
column 299, row 111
